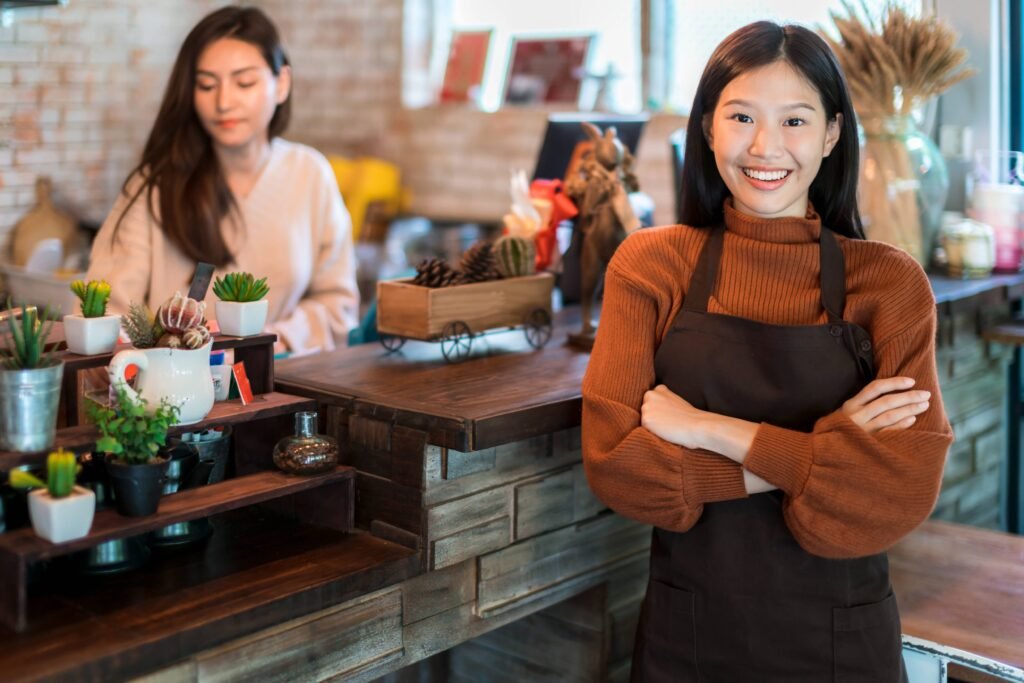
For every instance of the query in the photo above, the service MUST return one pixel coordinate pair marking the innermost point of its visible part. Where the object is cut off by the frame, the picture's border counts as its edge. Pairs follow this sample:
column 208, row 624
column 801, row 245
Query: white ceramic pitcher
column 181, row 376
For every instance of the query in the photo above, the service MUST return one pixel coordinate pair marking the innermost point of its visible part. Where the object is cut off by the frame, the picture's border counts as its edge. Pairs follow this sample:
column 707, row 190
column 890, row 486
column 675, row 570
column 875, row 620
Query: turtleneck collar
column 784, row 230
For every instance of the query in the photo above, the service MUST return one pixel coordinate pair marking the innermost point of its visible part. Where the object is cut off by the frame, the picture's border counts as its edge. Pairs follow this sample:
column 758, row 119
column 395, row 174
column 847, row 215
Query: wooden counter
column 961, row 596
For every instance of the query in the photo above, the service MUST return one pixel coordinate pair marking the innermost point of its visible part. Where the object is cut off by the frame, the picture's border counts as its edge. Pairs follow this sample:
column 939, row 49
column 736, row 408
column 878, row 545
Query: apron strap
column 702, row 282
column 833, row 276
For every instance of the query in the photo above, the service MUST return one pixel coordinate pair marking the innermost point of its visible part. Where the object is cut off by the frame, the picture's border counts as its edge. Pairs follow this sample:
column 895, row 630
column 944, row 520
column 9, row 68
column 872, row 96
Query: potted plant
column 93, row 331
column 241, row 309
column 30, row 381
column 59, row 509
column 172, row 354
column 132, row 439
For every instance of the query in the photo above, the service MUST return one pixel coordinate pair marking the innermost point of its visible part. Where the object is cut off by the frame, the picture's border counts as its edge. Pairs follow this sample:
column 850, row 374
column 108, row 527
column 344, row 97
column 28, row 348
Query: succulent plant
column 127, row 431
column 195, row 338
column 94, row 297
column 240, row 287
column 514, row 256
column 180, row 313
column 141, row 326
column 27, row 347
column 61, row 469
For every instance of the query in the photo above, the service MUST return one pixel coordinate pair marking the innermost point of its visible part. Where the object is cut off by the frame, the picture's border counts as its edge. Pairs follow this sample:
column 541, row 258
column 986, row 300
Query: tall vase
column 903, row 185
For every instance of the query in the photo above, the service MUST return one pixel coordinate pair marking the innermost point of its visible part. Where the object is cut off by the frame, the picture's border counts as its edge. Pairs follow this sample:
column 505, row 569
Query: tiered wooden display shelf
column 283, row 546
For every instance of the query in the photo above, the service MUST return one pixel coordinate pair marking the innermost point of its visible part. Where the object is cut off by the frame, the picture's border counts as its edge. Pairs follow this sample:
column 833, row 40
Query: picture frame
column 464, row 70
column 546, row 70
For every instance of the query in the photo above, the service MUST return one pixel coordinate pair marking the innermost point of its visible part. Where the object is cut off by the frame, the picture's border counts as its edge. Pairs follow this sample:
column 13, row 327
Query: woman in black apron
column 785, row 577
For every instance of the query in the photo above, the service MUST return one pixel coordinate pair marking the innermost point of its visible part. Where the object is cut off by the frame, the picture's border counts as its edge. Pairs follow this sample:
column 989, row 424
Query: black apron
column 735, row 598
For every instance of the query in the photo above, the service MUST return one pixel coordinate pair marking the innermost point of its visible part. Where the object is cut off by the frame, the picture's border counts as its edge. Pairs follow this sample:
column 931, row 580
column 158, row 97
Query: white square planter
column 241, row 319
column 62, row 519
column 91, row 336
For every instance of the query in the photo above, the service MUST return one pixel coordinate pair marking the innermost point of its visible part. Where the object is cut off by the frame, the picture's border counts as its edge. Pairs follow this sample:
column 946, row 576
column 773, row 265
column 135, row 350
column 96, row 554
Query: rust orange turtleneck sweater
column 848, row 493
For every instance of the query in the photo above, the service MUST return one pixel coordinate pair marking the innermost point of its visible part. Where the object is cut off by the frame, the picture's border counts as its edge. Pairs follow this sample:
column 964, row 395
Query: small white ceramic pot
column 62, row 519
column 91, row 336
column 241, row 318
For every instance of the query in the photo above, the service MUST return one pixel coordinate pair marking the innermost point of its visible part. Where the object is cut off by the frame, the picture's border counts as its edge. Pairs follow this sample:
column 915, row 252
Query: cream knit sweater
column 295, row 231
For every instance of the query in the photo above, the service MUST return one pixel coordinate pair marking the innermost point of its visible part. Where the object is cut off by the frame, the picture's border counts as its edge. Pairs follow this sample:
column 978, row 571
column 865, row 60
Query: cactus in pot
column 92, row 331
column 514, row 256
column 59, row 509
column 241, row 307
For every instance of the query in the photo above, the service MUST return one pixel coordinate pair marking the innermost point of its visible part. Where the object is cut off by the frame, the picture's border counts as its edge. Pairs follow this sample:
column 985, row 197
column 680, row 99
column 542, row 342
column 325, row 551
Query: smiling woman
column 763, row 388
column 216, row 183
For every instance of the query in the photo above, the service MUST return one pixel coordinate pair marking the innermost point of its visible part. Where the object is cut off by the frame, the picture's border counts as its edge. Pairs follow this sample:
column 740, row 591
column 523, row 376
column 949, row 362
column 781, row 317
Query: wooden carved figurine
column 600, row 190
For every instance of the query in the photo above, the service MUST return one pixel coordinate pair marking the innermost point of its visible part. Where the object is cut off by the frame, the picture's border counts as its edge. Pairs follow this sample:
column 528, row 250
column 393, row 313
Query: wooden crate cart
column 453, row 316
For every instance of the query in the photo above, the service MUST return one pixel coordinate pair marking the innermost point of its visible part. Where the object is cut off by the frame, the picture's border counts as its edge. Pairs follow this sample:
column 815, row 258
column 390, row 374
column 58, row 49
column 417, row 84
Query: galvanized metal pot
column 28, row 408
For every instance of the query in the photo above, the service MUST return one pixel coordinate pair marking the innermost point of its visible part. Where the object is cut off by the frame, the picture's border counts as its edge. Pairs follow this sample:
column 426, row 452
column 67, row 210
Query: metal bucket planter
column 28, row 408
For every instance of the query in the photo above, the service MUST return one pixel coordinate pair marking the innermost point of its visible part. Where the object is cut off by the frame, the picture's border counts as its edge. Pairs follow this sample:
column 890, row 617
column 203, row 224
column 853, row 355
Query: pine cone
column 434, row 272
column 478, row 263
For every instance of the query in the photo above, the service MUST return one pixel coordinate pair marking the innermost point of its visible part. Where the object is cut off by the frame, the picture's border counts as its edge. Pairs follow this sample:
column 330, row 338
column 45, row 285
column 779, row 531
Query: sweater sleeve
column 124, row 257
column 851, row 493
column 329, row 307
column 631, row 470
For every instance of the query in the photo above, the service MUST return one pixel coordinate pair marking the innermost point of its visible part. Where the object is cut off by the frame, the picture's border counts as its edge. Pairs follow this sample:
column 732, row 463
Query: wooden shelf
column 271, row 404
column 180, row 507
column 328, row 500
column 258, row 569
column 73, row 361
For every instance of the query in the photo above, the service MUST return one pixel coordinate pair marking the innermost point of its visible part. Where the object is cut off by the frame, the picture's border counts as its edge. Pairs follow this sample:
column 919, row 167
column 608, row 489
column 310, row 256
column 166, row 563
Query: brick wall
column 79, row 87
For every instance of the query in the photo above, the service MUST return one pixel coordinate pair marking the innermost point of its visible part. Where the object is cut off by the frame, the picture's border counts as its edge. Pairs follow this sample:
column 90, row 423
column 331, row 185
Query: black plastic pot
column 137, row 488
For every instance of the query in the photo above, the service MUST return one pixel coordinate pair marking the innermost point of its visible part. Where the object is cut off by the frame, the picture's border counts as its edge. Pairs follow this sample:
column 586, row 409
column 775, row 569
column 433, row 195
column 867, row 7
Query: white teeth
column 765, row 175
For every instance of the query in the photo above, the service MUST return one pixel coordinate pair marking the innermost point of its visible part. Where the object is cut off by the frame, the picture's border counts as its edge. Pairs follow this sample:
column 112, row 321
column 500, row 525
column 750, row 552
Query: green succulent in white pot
column 30, row 381
column 241, row 308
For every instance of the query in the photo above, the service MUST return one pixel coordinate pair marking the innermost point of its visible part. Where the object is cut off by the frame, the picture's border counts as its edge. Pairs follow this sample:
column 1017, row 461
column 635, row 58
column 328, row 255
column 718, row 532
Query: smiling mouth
column 767, row 176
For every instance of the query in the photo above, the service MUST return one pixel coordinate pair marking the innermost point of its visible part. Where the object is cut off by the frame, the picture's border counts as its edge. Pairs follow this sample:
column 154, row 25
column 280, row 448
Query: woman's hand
column 671, row 417
column 886, row 405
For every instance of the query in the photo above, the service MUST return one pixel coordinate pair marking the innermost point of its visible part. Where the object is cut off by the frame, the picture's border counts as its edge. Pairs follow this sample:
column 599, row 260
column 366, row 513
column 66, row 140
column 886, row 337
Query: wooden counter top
column 962, row 587
column 506, row 391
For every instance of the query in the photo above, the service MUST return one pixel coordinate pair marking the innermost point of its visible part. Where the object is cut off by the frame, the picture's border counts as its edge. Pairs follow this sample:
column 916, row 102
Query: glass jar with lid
column 306, row 452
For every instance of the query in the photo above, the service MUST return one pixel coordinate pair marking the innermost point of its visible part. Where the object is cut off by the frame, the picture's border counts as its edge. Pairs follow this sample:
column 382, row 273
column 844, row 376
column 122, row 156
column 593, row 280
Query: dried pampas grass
column 897, row 62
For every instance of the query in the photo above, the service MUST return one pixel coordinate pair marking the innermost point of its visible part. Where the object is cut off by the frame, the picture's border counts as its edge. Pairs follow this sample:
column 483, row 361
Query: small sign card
column 242, row 382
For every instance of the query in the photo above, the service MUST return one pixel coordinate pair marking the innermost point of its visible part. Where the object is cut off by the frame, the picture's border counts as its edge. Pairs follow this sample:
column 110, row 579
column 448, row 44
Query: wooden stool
column 1012, row 334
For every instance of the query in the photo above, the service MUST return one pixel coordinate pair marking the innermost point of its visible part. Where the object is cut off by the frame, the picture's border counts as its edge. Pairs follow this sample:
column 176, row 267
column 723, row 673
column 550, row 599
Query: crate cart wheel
column 392, row 342
column 456, row 340
column 537, row 327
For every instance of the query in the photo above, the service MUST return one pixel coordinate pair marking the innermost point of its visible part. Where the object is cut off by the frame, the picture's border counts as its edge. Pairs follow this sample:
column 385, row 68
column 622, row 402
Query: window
column 695, row 32
column 615, row 27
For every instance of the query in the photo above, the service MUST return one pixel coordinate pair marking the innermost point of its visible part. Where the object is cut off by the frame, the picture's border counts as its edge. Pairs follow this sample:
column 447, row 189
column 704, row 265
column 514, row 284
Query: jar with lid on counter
column 970, row 248
column 306, row 452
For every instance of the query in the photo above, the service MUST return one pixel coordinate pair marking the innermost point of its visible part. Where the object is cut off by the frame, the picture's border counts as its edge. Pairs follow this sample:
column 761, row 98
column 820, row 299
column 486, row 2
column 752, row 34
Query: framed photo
column 546, row 70
column 464, row 72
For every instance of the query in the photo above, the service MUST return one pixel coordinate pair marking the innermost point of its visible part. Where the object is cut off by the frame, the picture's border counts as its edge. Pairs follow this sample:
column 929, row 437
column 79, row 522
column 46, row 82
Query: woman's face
column 236, row 93
column 769, row 133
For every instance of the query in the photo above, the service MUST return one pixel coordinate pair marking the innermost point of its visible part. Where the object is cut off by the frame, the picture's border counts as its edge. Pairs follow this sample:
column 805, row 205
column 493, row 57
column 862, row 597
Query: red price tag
column 242, row 382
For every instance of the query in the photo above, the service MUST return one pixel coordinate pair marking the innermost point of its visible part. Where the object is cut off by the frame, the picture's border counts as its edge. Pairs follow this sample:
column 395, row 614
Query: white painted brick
column 19, row 94
column 78, row 115
column 108, row 55
column 25, row 157
column 49, row 116
column 6, row 75
column 25, row 33
column 64, row 54
column 19, row 54
column 36, row 75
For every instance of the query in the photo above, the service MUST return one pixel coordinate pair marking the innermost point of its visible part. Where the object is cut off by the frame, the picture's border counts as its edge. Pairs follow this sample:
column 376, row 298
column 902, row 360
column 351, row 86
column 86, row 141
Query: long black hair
column 178, row 159
column 834, row 190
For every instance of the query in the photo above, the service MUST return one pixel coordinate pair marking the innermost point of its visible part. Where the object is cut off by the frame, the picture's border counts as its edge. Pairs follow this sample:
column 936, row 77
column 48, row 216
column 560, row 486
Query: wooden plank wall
column 525, row 574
